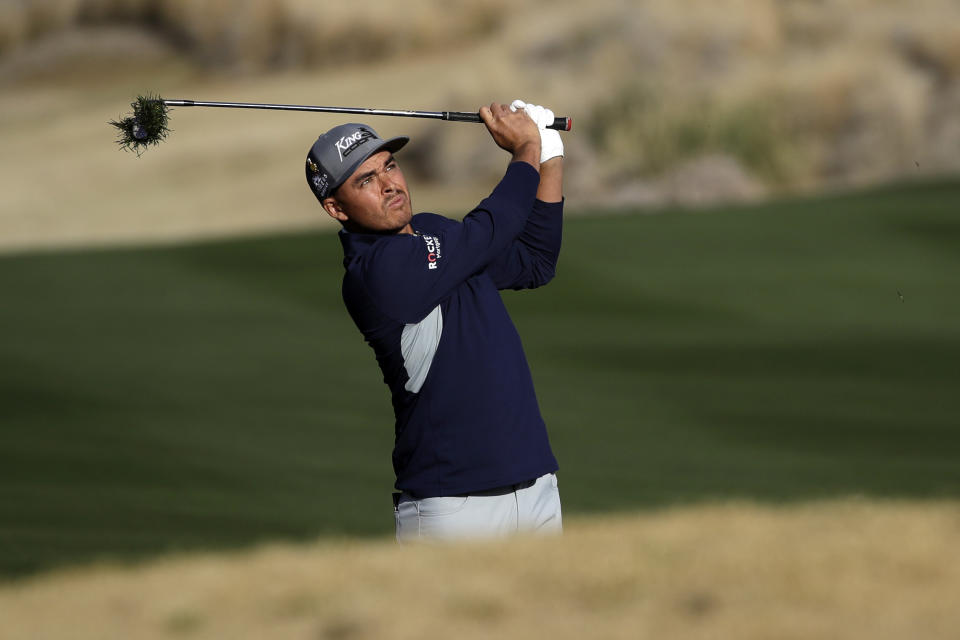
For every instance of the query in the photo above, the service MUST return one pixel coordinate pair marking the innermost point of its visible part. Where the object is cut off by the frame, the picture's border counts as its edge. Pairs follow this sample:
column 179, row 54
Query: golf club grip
column 560, row 124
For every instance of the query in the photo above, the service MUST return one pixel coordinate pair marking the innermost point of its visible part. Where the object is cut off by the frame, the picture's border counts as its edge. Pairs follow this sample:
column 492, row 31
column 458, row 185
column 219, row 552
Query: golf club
column 148, row 123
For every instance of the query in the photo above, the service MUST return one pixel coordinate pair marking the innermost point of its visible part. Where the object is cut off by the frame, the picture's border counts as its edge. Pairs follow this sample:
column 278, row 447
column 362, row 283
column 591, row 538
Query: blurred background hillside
column 692, row 102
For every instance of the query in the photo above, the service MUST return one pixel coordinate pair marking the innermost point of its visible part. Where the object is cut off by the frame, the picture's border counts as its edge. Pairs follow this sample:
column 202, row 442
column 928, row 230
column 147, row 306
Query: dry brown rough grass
column 841, row 569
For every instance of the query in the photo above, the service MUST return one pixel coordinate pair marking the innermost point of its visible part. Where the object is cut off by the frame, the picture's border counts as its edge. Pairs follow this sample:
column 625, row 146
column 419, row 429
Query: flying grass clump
column 146, row 126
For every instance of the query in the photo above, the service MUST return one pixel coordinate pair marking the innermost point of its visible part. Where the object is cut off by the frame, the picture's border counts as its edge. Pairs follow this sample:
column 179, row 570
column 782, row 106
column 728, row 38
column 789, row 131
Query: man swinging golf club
column 471, row 455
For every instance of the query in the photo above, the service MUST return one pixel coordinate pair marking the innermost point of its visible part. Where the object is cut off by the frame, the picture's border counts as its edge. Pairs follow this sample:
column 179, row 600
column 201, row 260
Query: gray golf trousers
column 532, row 506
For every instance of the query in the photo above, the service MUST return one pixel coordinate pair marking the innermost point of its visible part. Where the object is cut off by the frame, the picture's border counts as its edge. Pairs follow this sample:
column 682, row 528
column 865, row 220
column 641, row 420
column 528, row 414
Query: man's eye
column 365, row 182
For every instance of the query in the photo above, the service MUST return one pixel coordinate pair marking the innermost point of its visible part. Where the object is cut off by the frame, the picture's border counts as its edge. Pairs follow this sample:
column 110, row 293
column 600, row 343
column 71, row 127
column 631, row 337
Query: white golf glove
column 551, row 145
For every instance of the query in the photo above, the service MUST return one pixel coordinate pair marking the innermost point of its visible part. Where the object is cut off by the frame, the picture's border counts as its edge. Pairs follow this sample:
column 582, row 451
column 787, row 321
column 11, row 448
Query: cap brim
column 392, row 145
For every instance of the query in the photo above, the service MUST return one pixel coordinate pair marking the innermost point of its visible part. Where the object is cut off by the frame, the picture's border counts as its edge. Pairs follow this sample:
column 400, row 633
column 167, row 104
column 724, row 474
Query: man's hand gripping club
column 513, row 131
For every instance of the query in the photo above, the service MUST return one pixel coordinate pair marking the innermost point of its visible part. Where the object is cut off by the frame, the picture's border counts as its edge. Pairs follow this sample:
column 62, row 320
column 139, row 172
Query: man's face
column 374, row 199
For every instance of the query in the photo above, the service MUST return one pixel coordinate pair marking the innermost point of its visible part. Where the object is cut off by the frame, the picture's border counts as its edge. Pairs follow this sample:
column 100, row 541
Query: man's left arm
column 531, row 260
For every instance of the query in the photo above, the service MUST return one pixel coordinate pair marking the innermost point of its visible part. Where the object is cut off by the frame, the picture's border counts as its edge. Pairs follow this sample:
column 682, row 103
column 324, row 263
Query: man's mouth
column 395, row 201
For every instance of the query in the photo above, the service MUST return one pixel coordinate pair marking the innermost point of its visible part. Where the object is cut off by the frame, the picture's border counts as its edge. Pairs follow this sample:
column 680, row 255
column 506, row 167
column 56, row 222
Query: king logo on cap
column 347, row 144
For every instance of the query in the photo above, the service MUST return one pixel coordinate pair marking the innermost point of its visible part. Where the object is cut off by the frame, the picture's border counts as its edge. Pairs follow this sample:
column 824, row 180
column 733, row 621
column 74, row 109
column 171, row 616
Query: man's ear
column 333, row 209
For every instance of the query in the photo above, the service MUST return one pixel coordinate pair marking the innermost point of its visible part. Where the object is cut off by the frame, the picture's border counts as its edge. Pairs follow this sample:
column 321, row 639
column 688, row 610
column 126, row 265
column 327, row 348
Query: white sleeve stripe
column 418, row 345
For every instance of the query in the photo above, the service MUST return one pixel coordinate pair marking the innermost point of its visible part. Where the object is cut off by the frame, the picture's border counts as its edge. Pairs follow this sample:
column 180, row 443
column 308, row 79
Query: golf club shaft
column 561, row 124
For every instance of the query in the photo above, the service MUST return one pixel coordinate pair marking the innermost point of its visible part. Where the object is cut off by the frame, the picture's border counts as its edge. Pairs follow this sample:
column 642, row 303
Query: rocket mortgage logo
column 433, row 250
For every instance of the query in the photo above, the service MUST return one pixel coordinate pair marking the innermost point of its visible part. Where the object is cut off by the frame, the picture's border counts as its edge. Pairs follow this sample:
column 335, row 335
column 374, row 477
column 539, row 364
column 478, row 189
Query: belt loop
column 396, row 501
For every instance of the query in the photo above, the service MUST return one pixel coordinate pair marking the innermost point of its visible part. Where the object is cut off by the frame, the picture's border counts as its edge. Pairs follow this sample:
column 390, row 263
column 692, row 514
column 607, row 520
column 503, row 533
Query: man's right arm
column 408, row 276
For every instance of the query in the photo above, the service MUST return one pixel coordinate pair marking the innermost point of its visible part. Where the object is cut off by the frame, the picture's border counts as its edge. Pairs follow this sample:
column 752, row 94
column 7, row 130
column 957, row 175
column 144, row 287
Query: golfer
column 471, row 454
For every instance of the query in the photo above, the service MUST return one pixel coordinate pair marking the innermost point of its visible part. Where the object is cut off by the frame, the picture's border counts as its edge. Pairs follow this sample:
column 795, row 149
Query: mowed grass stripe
column 218, row 394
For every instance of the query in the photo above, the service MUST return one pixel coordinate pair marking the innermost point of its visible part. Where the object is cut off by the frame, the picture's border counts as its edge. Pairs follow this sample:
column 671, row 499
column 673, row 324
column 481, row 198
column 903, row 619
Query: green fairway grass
column 218, row 394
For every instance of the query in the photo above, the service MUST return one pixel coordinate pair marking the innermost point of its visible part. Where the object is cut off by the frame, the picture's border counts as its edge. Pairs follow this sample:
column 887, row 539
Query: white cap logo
column 347, row 144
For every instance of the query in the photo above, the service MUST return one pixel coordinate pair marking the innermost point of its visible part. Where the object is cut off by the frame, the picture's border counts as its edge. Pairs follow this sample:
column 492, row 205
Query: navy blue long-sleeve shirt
column 428, row 304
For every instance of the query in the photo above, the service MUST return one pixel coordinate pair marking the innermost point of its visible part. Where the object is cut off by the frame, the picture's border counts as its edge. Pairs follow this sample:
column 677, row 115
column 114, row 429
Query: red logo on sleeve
column 433, row 251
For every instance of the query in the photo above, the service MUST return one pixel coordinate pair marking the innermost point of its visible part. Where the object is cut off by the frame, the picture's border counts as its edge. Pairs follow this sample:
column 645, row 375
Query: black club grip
column 560, row 124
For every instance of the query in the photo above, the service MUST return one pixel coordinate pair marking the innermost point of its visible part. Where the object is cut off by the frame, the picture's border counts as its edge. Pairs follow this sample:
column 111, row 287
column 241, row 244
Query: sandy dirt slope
column 221, row 172
column 841, row 569
column 690, row 103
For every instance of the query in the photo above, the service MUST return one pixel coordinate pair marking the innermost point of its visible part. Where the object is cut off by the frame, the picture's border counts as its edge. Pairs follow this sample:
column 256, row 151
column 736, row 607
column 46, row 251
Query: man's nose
column 387, row 184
